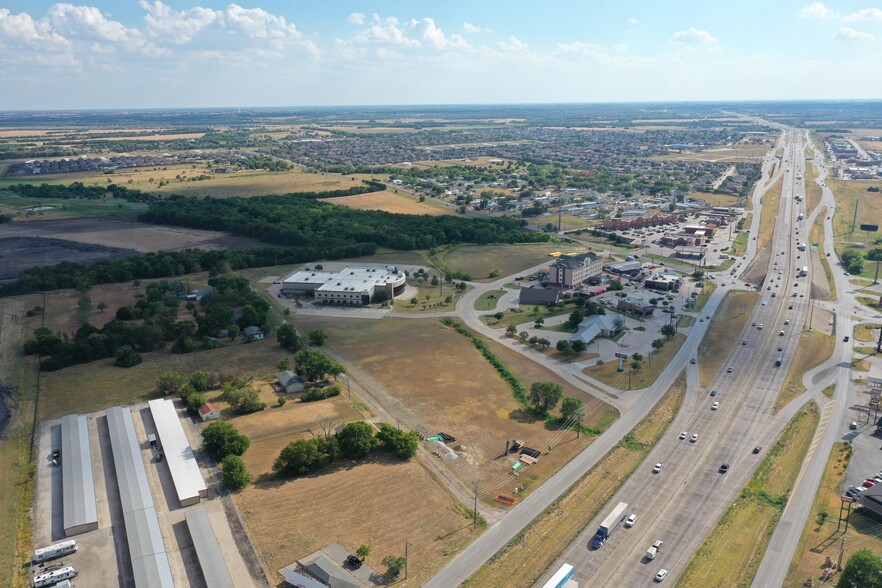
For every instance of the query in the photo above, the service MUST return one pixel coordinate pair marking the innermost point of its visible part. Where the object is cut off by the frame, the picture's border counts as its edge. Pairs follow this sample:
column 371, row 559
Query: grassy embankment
column 771, row 201
column 534, row 550
column 488, row 300
column 732, row 552
column 814, row 348
column 733, row 315
column 652, row 365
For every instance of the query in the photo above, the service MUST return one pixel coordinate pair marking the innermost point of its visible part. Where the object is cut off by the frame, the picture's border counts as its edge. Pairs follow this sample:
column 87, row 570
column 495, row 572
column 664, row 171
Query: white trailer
column 609, row 524
column 53, row 577
column 55, row 551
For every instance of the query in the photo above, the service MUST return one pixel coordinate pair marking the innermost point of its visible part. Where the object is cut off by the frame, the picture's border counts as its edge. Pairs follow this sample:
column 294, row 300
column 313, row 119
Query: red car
column 868, row 484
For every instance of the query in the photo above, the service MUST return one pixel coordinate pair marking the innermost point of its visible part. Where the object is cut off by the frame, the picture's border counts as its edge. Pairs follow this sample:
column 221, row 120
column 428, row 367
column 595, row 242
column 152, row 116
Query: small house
column 253, row 333
column 290, row 382
column 209, row 412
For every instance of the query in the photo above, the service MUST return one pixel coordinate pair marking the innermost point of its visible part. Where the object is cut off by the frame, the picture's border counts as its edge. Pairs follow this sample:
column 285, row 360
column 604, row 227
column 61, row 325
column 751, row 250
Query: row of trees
column 355, row 441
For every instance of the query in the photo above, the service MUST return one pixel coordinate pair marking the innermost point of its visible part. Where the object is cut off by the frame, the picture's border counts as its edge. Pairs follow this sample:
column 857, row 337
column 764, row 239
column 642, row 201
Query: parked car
column 853, row 425
column 353, row 562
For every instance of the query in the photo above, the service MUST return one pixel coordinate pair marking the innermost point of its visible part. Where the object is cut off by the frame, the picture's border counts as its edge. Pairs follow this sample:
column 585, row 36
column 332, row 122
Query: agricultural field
column 732, row 552
column 434, row 379
column 390, row 201
column 732, row 316
column 482, row 260
column 189, row 180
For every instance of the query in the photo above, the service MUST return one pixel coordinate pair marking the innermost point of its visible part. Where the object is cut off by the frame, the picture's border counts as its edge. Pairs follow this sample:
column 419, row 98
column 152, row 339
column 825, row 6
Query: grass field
column 848, row 195
column 390, row 201
column 732, row 316
column 813, row 191
column 481, row 260
column 179, row 181
column 608, row 372
column 706, row 291
column 488, row 300
column 531, row 552
column 717, row 199
column 820, row 538
column 864, row 333
column 528, row 314
column 814, row 348
column 434, row 379
column 739, row 245
column 732, row 552
column 771, row 200
column 872, row 303
column 17, row 206
column 431, row 298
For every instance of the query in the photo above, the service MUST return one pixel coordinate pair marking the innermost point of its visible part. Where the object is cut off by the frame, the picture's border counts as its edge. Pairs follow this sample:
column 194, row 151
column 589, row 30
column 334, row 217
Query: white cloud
column 694, row 36
column 90, row 24
column 818, row 11
column 847, row 35
column 472, row 28
column 633, row 21
column 864, row 14
column 434, row 36
column 356, row 18
column 176, row 27
column 513, row 46
column 415, row 34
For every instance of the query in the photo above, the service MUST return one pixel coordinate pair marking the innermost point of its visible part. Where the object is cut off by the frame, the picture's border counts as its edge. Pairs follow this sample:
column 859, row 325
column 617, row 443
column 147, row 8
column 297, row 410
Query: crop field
column 481, row 260
column 434, row 379
column 732, row 552
column 733, row 315
column 389, row 201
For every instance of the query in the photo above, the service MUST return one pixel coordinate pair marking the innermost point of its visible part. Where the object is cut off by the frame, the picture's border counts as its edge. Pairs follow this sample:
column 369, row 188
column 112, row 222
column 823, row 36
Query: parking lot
column 103, row 557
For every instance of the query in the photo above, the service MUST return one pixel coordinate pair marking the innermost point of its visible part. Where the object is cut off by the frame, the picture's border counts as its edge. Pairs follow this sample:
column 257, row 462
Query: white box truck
column 652, row 551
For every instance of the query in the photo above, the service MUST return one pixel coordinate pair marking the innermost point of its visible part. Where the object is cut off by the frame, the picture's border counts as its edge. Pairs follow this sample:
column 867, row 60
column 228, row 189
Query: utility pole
column 475, row 517
column 406, row 545
column 579, row 424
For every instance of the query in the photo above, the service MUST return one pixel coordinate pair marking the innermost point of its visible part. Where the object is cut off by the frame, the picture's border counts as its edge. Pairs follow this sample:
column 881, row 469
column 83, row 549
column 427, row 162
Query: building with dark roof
column 544, row 296
column 636, row 307
column 569, row 271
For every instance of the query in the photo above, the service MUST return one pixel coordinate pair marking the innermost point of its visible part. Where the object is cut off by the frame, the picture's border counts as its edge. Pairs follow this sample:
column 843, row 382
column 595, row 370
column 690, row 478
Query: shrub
column 235, row 475
column 221, row 439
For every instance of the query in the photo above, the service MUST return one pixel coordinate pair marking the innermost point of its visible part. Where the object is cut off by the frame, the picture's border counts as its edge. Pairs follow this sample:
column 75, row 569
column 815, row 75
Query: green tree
column 545, row 395
column 288, row 338
column 616, row 285
column 403, row 444
column 863, row 570
column 853, row 261
column 570, row 407
column 543, row 343
column 102, row 306
column 298, row 458
column 579, row 346
column 200, row 381
column 315, row 365
column 170, row 383
column 668, row 331
column 511, row 330
column 126, row 357
column 539, row 322
column 363, row 551
column 283, row 364
column 317, row 337
column 657, row 344
column 195, row 402
column 243, row 399
column 235, row 474
column 357, row 440
column 221, row 439
column 565, row 348
column 394, row 565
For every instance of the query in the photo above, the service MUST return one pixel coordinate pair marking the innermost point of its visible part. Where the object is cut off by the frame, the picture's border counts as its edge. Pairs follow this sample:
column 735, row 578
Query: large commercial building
column 189, row 483
column 571, row 271
column 350, row 286
column 77, row 483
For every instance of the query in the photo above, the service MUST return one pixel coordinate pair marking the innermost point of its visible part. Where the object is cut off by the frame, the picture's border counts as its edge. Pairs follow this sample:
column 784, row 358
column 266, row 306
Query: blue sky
column 175, row 53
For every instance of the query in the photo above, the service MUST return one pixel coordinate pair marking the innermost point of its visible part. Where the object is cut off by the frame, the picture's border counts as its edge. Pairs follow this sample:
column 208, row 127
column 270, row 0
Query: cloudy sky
column 177, row 53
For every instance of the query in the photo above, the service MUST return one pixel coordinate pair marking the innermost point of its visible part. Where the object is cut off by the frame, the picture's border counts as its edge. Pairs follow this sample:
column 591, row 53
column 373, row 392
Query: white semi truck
column 609, row 524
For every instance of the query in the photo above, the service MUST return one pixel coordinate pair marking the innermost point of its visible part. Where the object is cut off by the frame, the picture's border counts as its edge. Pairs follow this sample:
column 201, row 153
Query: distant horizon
column 149, row 54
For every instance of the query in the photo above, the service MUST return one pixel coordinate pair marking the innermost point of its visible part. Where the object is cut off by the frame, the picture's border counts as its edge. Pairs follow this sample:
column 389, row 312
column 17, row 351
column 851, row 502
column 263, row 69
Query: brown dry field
column 380, row 502
column 439, row 381
column 141, row 237
column 717, row 199
column 389, row 201
column 871, row 145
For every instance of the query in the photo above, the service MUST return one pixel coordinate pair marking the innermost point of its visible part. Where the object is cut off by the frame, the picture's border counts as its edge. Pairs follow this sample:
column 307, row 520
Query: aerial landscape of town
column 490, row 304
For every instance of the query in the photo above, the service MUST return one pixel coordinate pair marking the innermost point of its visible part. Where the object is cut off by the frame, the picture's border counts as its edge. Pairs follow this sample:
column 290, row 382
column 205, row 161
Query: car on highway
column 715, row 406
column 692, row 361
column 683, row 435
column 764, row 302
column 661, row 575
column 730, row 369
column 780, row 333
column 657, row 468
column 759, row 327
column 753, row 324
column 744, row 341
column 724, row 468
column 786, row 321
column 631, row 520
column 790, row 307
column 694, row 438
column 846, row 339
column 758, row 448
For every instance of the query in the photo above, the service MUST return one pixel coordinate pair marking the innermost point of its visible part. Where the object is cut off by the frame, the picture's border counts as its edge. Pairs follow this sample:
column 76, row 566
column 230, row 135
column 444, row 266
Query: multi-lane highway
column 682, row 502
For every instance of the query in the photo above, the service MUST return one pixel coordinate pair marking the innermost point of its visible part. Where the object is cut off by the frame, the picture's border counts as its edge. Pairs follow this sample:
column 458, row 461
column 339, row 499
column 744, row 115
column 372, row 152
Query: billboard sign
column 870, row 228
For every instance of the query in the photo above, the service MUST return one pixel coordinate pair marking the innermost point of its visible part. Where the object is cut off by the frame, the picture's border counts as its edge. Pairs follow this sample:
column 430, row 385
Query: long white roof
column 77, row 483
column 214, row 568
column 188, row 480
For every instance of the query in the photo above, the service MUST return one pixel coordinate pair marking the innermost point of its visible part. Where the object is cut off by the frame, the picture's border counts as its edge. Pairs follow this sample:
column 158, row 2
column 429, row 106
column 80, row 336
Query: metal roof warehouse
column 211, row 560
column 150, row 565
column 78, row 485
column 189, row 483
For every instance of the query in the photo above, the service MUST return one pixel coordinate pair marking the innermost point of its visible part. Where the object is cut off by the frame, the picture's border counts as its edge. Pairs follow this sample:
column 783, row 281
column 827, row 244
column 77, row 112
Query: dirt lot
column 81, row 240
column 411, row 365
column 389, row 201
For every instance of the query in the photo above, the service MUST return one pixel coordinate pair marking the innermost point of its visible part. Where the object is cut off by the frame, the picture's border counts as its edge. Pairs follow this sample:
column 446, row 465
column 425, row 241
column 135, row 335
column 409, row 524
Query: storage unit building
column 189, row 483
column 211, row 560
column 77, row 484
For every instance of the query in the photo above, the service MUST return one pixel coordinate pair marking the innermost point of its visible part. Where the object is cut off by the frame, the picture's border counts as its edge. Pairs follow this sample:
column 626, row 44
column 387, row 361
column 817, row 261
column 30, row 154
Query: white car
column 715, row 406
column 694, row 438
column 764, row 302
column 759, row 327
column 683, row 435
column 657, row 468
column 661, row 575
column 631, row 520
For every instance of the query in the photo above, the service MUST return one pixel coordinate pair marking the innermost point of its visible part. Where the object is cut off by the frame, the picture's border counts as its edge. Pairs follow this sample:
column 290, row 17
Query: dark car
column 353, row 562
column 846, row 338
column 758, row 448
column 724, row 468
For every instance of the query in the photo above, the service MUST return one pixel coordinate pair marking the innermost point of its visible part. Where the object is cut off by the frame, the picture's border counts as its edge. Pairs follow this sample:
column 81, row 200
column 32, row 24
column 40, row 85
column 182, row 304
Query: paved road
column 467, row 562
